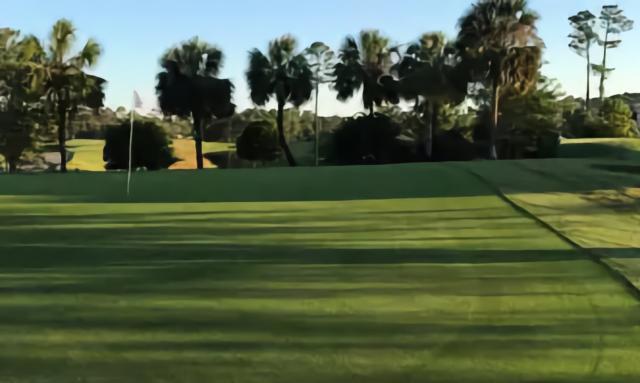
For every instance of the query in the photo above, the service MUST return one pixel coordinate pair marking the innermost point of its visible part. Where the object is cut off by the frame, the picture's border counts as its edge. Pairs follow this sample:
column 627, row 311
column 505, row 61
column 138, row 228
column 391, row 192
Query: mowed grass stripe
column 423, row 286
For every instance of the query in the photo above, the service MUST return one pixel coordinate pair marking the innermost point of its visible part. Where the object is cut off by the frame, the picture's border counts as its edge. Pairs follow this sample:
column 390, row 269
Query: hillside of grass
column 358, row 274
column 614, row 148
column 86, row 155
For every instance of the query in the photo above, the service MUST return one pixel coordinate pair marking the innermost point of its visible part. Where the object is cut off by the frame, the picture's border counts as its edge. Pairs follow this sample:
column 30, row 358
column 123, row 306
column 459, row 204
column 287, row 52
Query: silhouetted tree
column 258, row 143
column 361, row 64
column 613, row 22
column 283, row 73
column 151, row 146
column 499, row 40
column 189, row 87
column 321, row 61
column 368, row 140
column 582, row 38
column 65, row 82
column 427, row 70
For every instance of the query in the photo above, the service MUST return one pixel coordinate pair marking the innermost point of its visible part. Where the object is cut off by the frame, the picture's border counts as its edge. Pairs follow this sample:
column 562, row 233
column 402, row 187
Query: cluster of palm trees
column 47, row 77
column 497, row 47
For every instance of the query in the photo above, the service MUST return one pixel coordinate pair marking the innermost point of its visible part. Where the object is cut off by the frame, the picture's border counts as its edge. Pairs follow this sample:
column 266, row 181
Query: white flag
column 137, row 101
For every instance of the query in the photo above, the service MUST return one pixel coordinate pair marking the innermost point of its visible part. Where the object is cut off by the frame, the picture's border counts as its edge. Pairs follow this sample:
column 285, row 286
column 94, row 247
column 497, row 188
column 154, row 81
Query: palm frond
column 300, row 80
column 260, row 77
column 62, row 39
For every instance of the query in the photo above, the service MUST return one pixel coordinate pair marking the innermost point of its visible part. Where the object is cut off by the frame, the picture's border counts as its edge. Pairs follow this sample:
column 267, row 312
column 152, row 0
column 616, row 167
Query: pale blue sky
column 135, row 33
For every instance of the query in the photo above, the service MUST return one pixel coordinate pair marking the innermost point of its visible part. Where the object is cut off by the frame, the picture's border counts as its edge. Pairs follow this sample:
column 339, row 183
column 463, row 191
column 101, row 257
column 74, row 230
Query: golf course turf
column 411, row 273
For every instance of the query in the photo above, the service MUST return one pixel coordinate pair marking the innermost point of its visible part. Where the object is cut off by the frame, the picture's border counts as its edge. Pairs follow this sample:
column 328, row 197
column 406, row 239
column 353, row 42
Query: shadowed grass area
column 612, row 148
column 249, row 276
column 596, row 204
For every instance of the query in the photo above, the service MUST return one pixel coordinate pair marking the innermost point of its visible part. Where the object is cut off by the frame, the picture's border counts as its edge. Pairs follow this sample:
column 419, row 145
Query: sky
column 134, row 34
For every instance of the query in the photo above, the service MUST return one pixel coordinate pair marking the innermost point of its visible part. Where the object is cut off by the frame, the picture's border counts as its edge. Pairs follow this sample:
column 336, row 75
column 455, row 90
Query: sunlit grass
column 383, row 274
column 87, row 154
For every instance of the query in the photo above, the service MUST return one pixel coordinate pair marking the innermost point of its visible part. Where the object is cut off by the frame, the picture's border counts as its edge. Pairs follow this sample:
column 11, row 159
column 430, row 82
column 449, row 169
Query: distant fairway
column 414, row 273
column 616, row 148
column 87, row 154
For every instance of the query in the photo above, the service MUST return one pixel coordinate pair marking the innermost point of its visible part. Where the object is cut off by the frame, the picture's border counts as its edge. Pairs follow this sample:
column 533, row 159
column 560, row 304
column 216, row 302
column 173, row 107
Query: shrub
column 258, row 143
column 618, row 118
column 151, row 146
column 368, row 140
column 614, row 119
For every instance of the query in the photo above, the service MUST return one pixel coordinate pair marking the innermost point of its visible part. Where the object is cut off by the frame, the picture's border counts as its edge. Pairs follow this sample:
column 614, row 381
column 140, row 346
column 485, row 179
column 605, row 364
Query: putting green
column 384, row 274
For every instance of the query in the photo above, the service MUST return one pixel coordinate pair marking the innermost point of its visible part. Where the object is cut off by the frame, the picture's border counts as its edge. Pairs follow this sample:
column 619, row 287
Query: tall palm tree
column 188, row 87
column 321, row 62
column 361, row 65
column 65, row 82
column 422, row 67
column 499, row 40
column 283, row 73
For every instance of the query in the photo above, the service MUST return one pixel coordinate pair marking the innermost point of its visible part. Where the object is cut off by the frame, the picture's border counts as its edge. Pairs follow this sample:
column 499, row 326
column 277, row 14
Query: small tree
column 368, row 140
column 582, row 39
column 618, row 118
column 151, row 146
column 321, row 61
column 613, row 22
column 258, row 143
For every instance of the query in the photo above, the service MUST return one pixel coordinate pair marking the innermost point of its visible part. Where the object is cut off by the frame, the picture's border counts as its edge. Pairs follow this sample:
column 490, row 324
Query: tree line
column 492, row 64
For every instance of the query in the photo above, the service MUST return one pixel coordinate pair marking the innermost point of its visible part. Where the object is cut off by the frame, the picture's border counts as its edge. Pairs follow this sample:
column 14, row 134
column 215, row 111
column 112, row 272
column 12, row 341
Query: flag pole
column 133, row 110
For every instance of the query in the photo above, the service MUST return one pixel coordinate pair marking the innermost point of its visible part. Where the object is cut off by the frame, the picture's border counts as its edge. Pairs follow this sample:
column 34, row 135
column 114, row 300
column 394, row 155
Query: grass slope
column 595, row 203
column 613, row 148
column 383, row 274
column 87, row 154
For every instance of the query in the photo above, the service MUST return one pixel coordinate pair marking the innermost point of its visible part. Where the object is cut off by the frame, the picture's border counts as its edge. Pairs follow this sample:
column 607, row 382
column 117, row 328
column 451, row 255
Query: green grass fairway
column 413, row 273
column 615, row 148
column 595, row 203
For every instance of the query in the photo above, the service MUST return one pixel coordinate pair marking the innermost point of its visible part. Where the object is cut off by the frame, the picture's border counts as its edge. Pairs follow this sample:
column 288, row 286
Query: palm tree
column 361, row 65
column 188, row 87
column 65, row 82
column 321, row 61
column 422, row 74
column 282, row 73
column 499, row 40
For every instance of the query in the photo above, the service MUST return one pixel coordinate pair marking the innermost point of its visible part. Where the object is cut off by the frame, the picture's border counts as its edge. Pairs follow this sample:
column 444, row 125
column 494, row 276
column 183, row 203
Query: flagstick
column 130, row 150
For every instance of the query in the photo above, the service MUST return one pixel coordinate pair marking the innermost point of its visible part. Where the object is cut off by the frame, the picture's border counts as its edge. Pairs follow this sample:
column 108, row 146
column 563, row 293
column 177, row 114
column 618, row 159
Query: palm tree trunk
column 281, row 136
column 317, row 127
column 588, row 100
column 62, row 137
column 13, row 165
column 428, row 132
column 435, row 111
column 495, row 116
column 603, row 75
column 197, row 136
